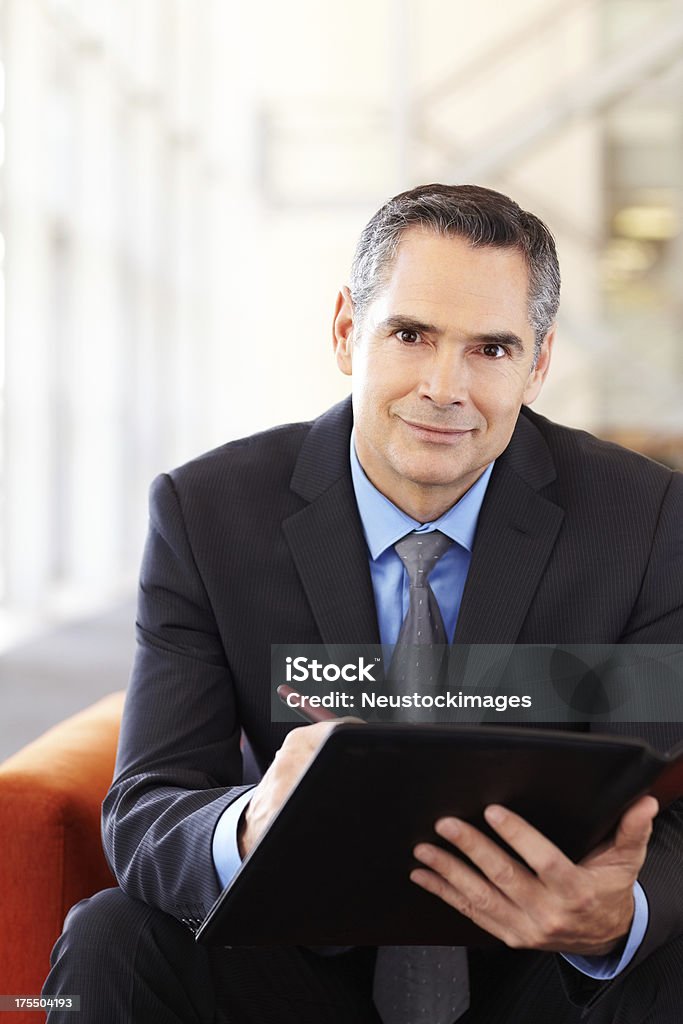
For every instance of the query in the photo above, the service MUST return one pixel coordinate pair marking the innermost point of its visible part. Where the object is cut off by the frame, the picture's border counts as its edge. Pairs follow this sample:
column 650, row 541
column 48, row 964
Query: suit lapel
column 516, row 533
column 330, row 554
column 326, row 537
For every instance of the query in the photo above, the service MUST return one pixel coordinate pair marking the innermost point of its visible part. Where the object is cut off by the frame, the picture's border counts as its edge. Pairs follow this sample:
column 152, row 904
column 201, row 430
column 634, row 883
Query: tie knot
column 420, row 552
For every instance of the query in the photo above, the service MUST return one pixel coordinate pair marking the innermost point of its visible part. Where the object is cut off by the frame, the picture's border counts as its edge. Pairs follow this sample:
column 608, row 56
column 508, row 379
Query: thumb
column 635, row 827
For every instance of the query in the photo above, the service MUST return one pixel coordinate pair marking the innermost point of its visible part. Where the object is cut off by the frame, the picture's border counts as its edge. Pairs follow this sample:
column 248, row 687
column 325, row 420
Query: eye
column 495, row 351
column 407, row 336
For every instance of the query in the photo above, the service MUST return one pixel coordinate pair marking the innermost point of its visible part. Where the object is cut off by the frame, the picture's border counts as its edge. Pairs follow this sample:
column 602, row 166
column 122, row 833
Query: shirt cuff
column 226, row 855
column 605, row 967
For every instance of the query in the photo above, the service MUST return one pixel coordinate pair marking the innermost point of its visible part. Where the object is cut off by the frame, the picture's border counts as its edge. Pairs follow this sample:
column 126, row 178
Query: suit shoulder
column 255, row 475
column 274, row 451
column 249, row 468
column 580, row 456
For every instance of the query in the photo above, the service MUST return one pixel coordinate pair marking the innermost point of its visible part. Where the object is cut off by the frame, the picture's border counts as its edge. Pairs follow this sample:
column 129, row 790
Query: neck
column 425, row 504
column 422, row 501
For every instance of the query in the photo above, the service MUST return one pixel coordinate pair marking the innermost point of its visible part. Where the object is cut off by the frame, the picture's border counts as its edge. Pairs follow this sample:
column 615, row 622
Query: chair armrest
column 51, row 854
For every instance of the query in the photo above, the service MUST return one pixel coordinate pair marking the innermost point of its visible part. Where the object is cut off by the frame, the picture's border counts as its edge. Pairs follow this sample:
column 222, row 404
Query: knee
column 104, row 922
column 115, row 926
column 116, row 952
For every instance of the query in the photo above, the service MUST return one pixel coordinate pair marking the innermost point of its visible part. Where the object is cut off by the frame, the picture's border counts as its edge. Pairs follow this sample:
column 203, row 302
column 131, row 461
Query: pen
column 310, row 714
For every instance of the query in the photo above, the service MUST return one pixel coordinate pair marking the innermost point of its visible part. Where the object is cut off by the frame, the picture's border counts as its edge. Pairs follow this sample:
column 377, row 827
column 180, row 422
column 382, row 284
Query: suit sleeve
column 178, row 764
column 657, row 618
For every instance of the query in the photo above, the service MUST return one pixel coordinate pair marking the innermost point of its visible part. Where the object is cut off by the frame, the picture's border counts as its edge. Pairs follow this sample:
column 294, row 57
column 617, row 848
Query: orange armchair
column 50, row 851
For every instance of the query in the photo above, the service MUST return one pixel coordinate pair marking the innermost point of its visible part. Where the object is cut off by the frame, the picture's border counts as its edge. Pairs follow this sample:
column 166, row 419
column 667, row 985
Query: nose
column 445, row 381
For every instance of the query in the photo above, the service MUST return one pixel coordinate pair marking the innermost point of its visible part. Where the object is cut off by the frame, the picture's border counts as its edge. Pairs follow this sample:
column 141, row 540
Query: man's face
column 441, row 365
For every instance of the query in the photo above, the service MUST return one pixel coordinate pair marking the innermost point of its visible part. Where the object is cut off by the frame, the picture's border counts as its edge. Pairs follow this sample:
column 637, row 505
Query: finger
column 456, row 872
column 466, row 892
column 307, row 737
column 635, row 828
column 549, row 863
column 480, row 899
column 505, row 873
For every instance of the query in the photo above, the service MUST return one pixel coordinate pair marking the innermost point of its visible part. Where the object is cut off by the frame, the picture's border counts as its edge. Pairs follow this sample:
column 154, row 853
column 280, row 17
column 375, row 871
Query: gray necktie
column 417, row 660
column 420, row 552
column 420, row 984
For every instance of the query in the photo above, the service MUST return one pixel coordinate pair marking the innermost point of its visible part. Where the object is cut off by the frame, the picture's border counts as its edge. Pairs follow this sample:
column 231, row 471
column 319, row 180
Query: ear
column 342, row 331
column 539, row 373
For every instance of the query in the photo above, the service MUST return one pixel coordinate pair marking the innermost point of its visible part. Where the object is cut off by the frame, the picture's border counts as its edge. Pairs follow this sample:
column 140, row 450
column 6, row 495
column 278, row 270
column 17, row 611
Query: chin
column 435, row 477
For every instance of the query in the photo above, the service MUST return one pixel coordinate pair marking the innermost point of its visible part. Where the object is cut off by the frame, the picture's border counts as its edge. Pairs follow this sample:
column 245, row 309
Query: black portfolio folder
column 333, row 867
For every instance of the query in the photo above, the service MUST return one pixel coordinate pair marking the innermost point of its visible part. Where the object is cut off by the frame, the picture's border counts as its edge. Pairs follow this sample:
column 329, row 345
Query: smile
column 437, row 435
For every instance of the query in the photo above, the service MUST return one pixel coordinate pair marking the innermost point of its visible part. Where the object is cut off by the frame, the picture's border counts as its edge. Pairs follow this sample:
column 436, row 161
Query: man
column 288, row 536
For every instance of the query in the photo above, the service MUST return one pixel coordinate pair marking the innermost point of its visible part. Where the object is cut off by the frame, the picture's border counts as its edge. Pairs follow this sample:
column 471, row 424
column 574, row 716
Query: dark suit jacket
column 260, row 542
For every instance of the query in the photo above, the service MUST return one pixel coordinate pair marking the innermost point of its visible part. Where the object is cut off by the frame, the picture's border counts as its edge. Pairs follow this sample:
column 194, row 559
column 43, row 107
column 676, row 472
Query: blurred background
column 182, row 183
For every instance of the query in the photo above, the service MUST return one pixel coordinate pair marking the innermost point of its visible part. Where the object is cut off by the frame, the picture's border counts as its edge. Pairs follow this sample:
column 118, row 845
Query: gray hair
column 480, row 215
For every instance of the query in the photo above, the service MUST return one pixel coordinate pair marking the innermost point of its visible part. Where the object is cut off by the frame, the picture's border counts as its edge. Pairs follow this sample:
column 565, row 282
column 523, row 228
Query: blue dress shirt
column 383, row 525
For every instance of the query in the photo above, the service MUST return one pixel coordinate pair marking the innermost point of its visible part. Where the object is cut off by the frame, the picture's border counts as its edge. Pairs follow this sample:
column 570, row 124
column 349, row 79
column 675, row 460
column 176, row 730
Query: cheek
column 504, row 376
column 499, row 394
column 366, row 398
column 369, row 406
column 377, row 387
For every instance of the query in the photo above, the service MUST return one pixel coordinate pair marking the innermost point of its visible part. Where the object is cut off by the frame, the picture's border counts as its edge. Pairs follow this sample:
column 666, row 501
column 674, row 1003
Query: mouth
column 437, row 435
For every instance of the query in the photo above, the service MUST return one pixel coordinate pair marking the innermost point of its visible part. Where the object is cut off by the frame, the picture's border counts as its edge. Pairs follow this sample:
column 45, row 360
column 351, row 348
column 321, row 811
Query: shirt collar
column 384, row 524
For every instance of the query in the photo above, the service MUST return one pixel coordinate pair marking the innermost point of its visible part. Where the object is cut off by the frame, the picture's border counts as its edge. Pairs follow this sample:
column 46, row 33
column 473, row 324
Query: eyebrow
column 409, row 323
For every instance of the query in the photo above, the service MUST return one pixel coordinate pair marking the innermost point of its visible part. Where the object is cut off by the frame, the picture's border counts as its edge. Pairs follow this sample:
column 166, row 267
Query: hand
column 553, row 904
column 291, row 760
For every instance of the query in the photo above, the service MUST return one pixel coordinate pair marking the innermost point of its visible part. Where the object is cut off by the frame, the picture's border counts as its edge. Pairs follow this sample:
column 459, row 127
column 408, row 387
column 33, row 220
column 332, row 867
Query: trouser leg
column 291, row 985
column 517, row 987
column 130, row 963
column 524, row 987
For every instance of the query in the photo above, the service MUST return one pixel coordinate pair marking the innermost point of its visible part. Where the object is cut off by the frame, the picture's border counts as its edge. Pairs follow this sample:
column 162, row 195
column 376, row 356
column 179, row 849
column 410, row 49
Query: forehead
column 448, row 282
